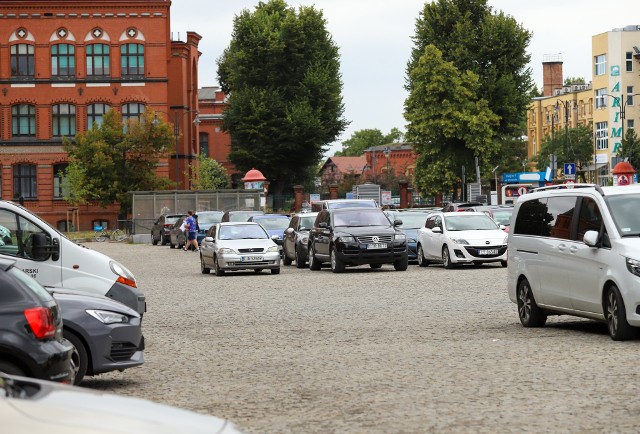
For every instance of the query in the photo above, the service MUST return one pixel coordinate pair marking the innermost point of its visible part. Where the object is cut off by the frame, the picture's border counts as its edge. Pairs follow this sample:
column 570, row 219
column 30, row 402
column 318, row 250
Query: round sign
column 623, row 180
column 522, row 191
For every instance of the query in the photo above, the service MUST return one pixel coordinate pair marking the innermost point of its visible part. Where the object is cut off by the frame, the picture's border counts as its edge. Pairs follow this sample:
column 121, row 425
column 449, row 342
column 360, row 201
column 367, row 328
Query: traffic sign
column 522, row 191
column 569, row 170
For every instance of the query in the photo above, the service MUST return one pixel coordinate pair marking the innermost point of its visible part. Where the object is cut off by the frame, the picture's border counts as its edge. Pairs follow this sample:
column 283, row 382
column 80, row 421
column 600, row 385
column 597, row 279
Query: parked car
column 274, row 224
column 296, row 239
column 31, row 336
column 177, row 236
column 411, row 222
column 459, row 206
column 239, row 216
column 500, row 213
column 161, row 230
column 205, row 219
column 231, row 246
column 32, row 406
column 343, row 203
column 577, row 252
column 356, row 236
column 461, row 238
column 106, row 335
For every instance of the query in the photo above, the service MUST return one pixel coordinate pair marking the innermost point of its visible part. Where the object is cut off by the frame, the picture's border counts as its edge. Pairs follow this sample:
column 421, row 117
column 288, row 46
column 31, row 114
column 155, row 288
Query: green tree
column 210, row 175
column 448, row 124
column 573, row 80
column 630, row 148
column 360, row 140
column 281, row 72
column 579, row 148
column 490, row 45
column 110, row 160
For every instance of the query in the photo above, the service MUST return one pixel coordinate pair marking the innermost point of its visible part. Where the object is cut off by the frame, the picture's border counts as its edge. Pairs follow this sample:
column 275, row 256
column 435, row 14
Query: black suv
column 356, row 236
column 31, row 341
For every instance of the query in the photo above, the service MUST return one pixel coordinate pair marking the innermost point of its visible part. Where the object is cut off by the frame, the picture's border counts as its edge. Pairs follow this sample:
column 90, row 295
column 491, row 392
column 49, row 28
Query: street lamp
column 176, row 131
column 620, row 102
column 567, row 106
column 495, row 178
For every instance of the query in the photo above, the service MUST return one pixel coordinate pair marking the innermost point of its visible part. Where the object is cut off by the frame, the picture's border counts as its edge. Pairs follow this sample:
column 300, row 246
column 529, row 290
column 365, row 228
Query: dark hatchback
column 161, row 230
column 356, row 236
column 31, row 339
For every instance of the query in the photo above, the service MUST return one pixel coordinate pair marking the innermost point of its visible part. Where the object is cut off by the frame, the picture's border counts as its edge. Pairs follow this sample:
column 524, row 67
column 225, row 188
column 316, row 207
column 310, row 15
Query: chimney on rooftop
column 551, row 73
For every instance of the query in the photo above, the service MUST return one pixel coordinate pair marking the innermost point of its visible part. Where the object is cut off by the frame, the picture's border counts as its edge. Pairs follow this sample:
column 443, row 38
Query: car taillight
column 40, row 319
column 168, row 226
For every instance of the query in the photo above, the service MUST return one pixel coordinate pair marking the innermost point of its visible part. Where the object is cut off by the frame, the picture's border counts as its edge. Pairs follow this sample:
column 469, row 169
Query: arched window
column 23, row 120
column 22, row 61
column 204, row 144
column 132, row 59
column 59, row 187
column 63, row 60
column 95, row 114
column 24, row 181
column 64, row 120
column 98, row 60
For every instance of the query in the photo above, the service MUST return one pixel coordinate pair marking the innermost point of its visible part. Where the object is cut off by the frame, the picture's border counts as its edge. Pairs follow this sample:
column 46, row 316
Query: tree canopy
column 281, row 73
column 360, row 140
column 630, row 148
column 209, row 174
column 577, row 149
column 485, row 47
column 112, row 159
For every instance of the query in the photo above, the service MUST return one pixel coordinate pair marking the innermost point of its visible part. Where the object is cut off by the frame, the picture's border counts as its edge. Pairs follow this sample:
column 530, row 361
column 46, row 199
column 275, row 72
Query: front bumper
column 354, row 253
column 464, row 254
column 234, row 261
column 116, row 346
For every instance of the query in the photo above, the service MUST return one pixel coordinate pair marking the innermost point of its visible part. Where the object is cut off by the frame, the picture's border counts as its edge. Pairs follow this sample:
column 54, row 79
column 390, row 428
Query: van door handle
column 573, row 249
column 562, row 247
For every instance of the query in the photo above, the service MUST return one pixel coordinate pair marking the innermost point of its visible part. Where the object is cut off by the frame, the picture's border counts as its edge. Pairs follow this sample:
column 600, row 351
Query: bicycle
column 101, row 234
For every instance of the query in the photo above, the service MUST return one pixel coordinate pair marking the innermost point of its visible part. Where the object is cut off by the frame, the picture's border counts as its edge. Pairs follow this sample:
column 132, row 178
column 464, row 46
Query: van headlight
column 108, row 317
column 124, row 275
column 633, row 265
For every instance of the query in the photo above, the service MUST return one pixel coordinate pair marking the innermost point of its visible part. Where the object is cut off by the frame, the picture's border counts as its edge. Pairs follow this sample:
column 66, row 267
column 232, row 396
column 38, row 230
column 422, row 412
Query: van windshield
column 624, row 210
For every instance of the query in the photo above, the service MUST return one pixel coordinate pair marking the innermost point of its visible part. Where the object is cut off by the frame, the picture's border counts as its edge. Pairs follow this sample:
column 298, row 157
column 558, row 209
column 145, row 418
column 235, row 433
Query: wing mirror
column 591, row 238
column 436, row 230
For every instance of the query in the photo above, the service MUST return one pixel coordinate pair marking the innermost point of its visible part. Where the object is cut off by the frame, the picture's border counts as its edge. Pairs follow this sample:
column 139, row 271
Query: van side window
column 15, row 233
column 533, row 214
column 561, row 209
column 589, row 219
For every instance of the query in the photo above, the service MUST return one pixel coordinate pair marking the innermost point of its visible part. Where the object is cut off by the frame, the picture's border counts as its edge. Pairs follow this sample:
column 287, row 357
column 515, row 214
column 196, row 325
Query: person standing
column 192, row 231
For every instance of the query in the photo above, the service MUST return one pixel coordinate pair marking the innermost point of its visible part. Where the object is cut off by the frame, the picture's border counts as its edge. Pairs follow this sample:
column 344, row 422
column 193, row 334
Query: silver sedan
column 238, row 246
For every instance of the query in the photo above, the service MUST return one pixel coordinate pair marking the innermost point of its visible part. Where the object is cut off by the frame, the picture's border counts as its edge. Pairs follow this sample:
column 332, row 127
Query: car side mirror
column 591, row 238
column 503, row 227
column 436, row 230
column 276, row 239
column 208, row 239
column 397, row 222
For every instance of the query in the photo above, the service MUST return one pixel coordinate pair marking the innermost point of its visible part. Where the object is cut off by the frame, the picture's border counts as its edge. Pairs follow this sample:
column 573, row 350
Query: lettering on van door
column 33, row 272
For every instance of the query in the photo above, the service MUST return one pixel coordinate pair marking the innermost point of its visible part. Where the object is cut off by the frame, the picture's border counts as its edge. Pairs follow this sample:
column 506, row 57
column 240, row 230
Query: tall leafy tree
column 574, row 145
column 631, row 148
column 362, row 139
column 448, row 124
column 490, row 45
column 110, row 160
column 210, row 174
column 281, row 72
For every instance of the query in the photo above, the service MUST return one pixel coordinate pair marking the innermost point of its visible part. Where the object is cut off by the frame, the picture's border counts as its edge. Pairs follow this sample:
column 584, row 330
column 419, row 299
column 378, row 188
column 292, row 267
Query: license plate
column 377, row 246
column 488, row 252
column 250, row 258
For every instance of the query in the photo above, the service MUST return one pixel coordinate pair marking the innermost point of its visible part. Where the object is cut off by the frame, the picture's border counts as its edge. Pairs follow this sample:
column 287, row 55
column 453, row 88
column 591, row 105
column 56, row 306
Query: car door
column 323, row 235
column 436, row 239
column 207, row 247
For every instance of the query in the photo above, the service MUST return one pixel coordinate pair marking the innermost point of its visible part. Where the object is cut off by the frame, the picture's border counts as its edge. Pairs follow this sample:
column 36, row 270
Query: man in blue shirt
column 192, row 231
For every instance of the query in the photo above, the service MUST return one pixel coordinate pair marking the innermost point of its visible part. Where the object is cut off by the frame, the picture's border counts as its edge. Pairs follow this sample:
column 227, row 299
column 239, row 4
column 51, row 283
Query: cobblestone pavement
column 368, row 351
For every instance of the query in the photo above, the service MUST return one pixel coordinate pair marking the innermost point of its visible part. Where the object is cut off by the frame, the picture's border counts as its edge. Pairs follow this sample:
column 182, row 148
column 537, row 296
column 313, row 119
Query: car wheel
column 153, row 240
column 375, row 266
column 300, row 260
column 616, row 314
column 79, row 356
column 528, row 311
column 275, row 271
column 163, row 240
column 337, row 266
column 203, row 268
column 11, row 369
column 503, row 263
column 314, row 264
column 171, row 245
column 401, row 264
column 216, row 266
column 446, row 258
column 422, row 261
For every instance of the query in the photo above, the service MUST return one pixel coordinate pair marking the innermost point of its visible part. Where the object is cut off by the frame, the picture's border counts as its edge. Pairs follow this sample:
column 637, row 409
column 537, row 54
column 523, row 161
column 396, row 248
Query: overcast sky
column 374, row 37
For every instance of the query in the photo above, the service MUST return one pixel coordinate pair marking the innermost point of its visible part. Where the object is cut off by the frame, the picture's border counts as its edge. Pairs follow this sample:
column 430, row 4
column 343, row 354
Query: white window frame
column 602, row 135
column 600, row 64
column 601, row 98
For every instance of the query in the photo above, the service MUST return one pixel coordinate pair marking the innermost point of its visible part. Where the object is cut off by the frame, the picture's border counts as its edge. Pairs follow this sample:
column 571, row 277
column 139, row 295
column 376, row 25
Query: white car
column 461, row 238
column 239, row 246
column 30, row 406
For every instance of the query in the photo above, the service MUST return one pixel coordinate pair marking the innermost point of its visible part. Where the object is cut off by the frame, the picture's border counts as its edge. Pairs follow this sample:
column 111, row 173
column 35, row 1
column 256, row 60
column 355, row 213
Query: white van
column 576, row 251
column 54, row 260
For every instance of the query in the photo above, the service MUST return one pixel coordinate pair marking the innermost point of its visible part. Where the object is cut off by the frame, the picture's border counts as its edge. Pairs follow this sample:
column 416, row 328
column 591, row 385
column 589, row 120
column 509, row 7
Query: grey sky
column 374, row 37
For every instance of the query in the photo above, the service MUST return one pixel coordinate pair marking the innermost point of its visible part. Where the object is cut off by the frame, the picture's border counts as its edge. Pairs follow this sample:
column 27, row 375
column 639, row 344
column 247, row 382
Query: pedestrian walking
column 192, row 231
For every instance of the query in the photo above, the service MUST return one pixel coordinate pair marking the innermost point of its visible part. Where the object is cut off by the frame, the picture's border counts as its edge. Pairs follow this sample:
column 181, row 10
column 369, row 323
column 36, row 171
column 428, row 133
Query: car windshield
column 410, row 220
column 306, row 223
column 470, row 222
column 361, row 218
column 273, row 223
column 624, row 210
column 171, row 219
column 241, row 216
column 352, row 204
column 502, row 217
column 242, row 232
column 209, row 218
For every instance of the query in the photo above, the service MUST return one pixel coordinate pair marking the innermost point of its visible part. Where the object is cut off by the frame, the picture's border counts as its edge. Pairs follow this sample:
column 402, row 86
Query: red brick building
column 395, row 159
column 63, row 64
column 335, row 169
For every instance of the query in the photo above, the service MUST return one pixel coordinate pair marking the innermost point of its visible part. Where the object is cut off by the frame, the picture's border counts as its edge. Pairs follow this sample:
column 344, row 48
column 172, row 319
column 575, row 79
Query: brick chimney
column 551, row 73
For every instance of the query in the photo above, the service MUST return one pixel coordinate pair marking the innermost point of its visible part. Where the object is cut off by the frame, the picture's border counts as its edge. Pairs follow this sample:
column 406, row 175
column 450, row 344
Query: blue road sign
column 570, row 169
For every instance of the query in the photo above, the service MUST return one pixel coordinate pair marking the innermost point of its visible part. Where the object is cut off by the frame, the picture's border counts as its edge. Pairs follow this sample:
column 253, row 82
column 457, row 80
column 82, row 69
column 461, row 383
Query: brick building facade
column 63, row 64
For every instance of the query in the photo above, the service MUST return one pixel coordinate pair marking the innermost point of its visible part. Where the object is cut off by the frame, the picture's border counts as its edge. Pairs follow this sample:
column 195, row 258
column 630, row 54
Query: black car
column 296, row 239
column 31, row 339
column 106, row 334
column 160, row 232
column 356, row 236
column 177, row 234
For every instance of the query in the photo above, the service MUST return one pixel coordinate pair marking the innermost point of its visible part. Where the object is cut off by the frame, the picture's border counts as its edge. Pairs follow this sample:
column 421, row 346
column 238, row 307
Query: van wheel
column 300, row 260
column 528, row 311
column 446, row 258
column 337, row 266
column 79, row 357
column 422, row 261
column 616, row 314
column 203, row 268
column 314, row 264
column 11, row 369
